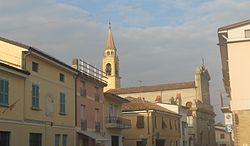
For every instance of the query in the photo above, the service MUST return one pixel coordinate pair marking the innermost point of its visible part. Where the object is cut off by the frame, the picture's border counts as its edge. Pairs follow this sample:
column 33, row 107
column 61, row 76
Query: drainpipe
column 25, row 67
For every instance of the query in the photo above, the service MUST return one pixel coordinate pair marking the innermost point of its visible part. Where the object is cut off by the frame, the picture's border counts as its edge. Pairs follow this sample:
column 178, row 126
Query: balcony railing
column 117, row 122
column 97, row 126
column 83, row 125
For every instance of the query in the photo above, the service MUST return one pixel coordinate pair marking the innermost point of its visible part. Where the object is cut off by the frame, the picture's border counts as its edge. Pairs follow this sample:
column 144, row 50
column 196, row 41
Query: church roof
column 110, row 41
column 159, row 87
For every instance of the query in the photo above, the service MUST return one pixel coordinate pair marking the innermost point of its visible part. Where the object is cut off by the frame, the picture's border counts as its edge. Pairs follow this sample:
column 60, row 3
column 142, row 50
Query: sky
column 158, row 41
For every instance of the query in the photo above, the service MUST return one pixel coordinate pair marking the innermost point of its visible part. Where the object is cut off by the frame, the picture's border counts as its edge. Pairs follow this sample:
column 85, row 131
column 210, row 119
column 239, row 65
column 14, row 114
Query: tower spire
column 110, row 45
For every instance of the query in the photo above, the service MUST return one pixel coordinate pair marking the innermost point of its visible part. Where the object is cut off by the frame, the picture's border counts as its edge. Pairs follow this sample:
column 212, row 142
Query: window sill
column 36, row 108
column 63, row 114
column 4, row 105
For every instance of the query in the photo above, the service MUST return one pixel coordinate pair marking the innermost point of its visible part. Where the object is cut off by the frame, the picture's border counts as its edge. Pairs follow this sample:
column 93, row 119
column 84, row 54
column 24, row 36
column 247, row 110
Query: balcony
column 97, row 126
column 83, row 125
column 118, row 122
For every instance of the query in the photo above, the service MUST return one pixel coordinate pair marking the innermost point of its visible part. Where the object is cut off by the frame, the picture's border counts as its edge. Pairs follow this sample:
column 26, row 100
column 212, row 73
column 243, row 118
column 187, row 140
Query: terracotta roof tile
column 137, row 104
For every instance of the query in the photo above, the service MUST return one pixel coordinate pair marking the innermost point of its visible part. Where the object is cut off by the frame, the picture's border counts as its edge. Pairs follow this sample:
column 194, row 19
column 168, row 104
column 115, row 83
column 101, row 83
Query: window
column 57, row 140
column 35, row 67
column 155, row 121
column 140, row 122
column 184, row 126
column 163, row 123
column 247, row 33
column 35, row 96
column 170, row 122
column 82, row 112
column 222, row 136
column 97, row 122
column 4, row 92
column 4, row 138
column 64, row 140
column 97, row 96
column 82, row 88
column 61, row 76
column 62, row 103
column 35, row 139
column 175, row 125
column 108, row 69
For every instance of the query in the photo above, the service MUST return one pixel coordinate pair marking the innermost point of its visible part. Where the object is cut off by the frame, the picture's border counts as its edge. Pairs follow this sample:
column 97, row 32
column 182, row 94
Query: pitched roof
column 115, row 97
column 231, row 26
column 159, row 87
column 138, row 104
column 110, row 41
column 37, row 51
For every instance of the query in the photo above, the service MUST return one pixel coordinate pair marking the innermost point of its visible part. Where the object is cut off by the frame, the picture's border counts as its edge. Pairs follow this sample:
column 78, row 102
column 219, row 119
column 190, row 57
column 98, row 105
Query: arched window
column 108, row 69
column 108, row 53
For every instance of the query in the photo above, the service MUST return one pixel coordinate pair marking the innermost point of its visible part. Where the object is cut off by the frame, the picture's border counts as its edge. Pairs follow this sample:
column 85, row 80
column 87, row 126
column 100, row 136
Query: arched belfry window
column 108, row 69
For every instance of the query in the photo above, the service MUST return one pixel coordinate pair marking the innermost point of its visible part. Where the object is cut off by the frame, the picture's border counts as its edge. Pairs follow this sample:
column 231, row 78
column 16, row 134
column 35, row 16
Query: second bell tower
column 110, row 63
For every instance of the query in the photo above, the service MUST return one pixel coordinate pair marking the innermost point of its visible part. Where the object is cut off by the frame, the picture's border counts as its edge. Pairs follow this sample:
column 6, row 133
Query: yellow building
column 40, row 101
column 152, row 125
column 114, row 122
column 234, row 43
column 110, row 63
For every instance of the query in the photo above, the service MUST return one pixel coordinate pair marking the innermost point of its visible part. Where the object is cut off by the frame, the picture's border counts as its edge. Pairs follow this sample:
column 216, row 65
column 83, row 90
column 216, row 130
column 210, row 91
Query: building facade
column 152, row 125
column 194, row 95
column 114, row 121
column 39, row 109
column 89, row 105
column 234, row 42
column 222, row 137
column 181, row 110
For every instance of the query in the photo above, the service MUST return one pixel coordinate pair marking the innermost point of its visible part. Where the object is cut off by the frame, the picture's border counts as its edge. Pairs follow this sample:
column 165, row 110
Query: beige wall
column 16, row 92
column 11, row 54
column 48, row 80
column 150, row 131
column 186, row 94
column 19, row 133
column 239, row 61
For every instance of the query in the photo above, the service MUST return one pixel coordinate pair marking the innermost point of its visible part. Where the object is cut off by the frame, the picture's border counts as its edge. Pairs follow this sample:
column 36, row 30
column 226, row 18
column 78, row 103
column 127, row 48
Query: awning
column 98, row 138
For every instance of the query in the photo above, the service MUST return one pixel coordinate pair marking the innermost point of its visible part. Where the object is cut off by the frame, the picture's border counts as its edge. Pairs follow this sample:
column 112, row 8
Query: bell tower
column 110, row 63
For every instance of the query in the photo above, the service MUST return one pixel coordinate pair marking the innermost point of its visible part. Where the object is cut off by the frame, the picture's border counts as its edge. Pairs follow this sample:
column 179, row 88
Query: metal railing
column 90, row 70
column 117, row 122
column 83, row 125
column 97, row 126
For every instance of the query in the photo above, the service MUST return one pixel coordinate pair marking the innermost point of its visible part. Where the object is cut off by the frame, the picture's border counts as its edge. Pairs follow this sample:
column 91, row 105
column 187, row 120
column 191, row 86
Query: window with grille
column 140, row 122
column 62, row 103
column 35, row 96
column 35, row 139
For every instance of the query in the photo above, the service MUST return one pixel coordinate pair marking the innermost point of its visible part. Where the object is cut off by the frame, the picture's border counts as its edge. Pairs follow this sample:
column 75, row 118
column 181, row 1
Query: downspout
column 25, row 67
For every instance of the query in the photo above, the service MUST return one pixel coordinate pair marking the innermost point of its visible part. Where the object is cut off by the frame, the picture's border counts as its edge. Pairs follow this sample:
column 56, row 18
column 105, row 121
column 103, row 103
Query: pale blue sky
column 158, row 41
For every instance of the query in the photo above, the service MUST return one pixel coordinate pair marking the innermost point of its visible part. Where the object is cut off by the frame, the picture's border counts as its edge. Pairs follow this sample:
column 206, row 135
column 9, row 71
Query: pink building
column 89, row 105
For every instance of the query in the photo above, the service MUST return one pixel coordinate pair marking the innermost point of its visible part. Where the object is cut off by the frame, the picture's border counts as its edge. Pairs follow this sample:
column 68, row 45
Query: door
column 114, row 140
